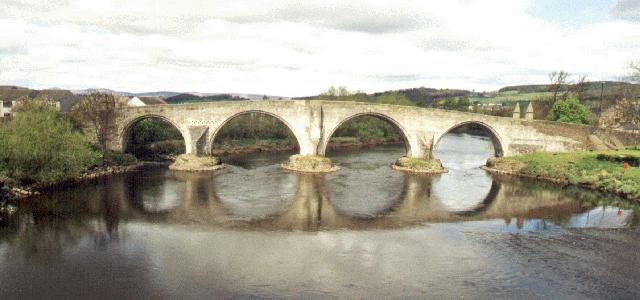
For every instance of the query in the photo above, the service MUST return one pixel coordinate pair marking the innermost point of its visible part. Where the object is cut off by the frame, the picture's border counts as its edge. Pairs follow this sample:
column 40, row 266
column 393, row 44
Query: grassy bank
column 599, row 170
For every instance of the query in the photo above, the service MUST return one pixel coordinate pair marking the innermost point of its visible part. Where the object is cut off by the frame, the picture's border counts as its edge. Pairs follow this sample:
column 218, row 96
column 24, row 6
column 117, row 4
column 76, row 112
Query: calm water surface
column 366, row 231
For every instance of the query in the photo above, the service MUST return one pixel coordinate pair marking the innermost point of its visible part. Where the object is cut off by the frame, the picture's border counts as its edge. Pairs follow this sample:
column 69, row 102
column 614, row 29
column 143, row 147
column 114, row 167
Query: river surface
column 254, row 230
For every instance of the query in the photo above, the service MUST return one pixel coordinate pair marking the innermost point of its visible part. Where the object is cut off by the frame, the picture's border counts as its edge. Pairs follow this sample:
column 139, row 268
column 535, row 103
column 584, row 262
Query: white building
column 5, row 108
column 144, row 101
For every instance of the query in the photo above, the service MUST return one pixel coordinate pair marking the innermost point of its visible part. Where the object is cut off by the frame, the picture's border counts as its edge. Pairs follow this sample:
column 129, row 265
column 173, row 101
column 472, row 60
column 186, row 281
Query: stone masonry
column 313, row 122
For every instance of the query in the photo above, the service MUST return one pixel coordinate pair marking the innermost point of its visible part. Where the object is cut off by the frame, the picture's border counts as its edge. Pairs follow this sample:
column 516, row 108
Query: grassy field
column 511, row 96
column 579, row 168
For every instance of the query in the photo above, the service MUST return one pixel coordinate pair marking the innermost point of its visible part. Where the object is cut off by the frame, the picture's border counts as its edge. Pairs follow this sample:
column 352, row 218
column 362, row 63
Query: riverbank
column 597, row 170
column 16, row 192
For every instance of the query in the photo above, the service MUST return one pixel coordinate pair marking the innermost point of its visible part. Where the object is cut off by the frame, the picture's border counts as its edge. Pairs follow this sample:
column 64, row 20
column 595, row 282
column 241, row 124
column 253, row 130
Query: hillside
column 191, row 98
column 593, row 92
column 426, row 96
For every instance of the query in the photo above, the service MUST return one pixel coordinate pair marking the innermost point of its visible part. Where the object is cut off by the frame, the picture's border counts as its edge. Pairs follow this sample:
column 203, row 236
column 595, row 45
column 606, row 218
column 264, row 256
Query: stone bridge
column 313, row 122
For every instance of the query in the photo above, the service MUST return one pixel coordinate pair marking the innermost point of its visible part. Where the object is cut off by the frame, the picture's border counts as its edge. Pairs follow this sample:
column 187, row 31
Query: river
column 255, row 230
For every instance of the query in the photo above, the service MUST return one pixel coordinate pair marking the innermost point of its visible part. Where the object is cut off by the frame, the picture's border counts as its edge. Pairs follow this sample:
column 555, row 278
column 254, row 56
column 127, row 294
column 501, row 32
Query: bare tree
column 558, row 81
column 98, row 111
column 635, row 72
column 580, row 87
column 624, row 102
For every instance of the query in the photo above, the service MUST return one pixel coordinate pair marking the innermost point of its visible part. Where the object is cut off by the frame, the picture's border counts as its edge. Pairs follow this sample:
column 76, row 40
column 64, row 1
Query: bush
column 39, row 145
column 632, row 160
column 570, row 111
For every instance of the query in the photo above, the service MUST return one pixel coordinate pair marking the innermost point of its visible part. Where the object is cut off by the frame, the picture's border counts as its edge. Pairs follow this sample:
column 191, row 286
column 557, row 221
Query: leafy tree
column 570, row 110
column 40, row 145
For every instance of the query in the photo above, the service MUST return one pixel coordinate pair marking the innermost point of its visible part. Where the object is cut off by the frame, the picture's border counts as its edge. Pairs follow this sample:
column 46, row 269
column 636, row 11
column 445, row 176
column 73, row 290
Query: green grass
column 584, row 168
column 511, row 96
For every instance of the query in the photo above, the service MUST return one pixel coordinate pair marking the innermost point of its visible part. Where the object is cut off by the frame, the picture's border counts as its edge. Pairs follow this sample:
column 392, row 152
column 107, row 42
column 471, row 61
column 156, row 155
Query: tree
column 580, row 87
column 98, row 111
column 570, row 111
column 630, row 104
column 335, row 92
column 41, row 145
column 635, row 72
column 558, row 80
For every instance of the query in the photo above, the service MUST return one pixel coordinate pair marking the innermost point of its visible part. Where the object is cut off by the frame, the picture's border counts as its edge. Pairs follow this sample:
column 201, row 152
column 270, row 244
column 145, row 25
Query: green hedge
column 633, row 160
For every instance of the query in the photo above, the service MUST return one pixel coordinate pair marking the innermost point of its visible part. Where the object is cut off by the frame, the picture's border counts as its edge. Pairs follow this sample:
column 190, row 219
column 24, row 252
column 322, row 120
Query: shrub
column 570, row 111
column 39, row 145
column 633, row 160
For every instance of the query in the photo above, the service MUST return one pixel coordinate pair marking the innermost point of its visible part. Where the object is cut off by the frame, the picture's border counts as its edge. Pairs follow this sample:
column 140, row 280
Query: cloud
column 294, row 48
column 627, row 9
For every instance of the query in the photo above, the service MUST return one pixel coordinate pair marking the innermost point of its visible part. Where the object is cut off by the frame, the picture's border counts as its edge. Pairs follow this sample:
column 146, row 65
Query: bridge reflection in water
column 162, row 196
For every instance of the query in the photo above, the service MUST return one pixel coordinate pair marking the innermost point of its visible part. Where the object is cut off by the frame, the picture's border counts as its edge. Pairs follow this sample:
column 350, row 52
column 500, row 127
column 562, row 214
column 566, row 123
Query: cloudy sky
column 295, row 48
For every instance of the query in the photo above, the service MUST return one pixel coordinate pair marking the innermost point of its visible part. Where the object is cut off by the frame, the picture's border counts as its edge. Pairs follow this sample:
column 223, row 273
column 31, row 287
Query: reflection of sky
column 162, row 197
column 465, row 185
column 366, row 185
column 601, row 217
column 255, row 193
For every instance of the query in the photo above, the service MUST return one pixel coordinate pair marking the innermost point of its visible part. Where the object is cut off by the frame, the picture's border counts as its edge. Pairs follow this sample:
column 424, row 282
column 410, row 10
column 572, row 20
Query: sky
column 300, row 48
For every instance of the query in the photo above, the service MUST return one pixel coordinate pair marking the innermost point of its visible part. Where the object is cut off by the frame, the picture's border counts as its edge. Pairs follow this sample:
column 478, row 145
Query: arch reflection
column 313, row 204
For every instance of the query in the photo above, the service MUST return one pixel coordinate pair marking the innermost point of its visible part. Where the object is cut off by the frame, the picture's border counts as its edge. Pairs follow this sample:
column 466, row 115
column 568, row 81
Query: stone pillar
column 311, row 159
column 315, row 129
column 198, row 140
column 1, row 109
column 516, row 111
column 421, row 146
column 529, row 114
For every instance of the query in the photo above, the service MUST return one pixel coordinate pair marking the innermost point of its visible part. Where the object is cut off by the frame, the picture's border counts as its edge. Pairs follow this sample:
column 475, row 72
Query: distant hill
column 541, row 88
column 426, row 96
column 191, row 98
column 169, row 94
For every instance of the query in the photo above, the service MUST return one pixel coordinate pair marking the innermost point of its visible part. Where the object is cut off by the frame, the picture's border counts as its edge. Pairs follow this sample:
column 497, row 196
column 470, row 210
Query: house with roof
column 144, row 101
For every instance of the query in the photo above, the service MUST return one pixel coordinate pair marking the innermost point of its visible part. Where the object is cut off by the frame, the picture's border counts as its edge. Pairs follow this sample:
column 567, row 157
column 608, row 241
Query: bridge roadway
column 313, row 122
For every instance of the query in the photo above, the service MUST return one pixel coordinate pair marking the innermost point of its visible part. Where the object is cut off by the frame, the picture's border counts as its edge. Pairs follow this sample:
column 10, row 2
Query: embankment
column 597, row 170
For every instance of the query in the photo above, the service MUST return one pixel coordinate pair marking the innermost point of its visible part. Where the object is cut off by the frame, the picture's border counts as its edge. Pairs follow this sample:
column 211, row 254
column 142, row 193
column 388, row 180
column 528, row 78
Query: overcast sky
column 295, row 48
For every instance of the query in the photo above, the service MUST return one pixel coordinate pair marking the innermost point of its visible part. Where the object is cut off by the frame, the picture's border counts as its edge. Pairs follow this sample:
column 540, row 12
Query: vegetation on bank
column 602, row 170
column 42, row 146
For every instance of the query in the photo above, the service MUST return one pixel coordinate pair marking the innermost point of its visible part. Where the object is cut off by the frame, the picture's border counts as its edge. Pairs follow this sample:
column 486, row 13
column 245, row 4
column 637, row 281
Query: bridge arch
column 322, row 148
column 125, row 134
column 256, row 111
column 496, row 139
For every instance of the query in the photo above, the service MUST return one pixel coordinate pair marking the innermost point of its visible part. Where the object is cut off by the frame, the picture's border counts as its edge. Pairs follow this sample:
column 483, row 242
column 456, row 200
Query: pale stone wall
column 314, row 121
